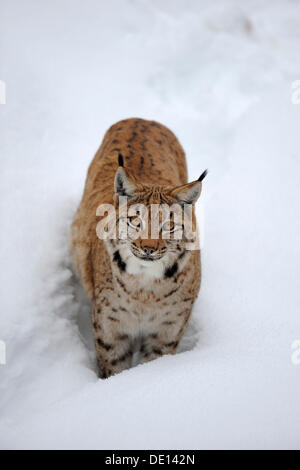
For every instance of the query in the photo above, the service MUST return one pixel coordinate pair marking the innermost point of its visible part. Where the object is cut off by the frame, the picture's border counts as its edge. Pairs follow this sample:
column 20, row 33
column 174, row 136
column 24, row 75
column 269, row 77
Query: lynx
column 142, row 288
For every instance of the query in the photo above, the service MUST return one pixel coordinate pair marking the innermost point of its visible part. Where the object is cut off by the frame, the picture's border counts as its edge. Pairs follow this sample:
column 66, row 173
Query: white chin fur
column 143, row 268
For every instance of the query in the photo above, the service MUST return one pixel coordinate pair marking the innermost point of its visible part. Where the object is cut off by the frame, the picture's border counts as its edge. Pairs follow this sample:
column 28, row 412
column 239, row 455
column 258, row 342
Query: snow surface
column 220, row 75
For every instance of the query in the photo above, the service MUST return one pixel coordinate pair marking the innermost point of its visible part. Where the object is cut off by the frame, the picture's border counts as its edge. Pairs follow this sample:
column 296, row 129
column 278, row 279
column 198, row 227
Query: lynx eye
column 169, row 226
column 135, row 222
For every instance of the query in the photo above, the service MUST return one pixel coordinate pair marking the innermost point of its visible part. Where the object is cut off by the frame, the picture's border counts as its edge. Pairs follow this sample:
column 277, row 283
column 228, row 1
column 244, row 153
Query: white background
column 220, row 75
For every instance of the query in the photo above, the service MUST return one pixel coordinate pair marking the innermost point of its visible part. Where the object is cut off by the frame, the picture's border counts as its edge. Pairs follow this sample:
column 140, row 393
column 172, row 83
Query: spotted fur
column 142, row 290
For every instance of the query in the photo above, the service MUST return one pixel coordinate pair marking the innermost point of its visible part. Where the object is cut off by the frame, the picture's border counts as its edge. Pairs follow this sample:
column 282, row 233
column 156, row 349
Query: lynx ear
column 189, row 193
column 124, row 185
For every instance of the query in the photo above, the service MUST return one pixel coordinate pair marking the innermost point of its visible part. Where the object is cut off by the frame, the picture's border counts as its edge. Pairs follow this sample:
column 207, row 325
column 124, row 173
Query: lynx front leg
column 153, row 347
column 113, row 347
column 167, row 337
column 108, row 362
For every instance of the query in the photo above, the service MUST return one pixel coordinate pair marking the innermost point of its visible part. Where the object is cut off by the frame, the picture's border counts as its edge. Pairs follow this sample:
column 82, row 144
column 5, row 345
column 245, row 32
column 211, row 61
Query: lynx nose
column 149, row 250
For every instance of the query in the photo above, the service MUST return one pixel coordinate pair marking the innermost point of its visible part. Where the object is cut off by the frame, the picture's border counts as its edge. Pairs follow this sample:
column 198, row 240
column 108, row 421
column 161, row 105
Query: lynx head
column 158, row 222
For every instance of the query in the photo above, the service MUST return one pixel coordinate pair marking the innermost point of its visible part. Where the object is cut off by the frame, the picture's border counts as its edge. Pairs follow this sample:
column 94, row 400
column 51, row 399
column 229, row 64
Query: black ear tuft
column 203, row 175
column 121, row 160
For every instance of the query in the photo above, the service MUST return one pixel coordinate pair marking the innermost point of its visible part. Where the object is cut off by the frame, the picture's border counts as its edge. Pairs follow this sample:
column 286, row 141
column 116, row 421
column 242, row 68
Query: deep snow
column 220, row 75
